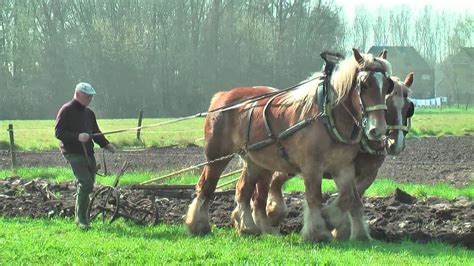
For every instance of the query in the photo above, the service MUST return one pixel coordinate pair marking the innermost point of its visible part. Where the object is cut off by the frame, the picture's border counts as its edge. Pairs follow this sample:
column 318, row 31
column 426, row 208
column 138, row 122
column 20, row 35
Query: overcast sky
column 459, row 6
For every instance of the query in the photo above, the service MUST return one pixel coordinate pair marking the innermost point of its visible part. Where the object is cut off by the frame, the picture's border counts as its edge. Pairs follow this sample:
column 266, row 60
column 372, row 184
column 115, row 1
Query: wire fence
column 158, row 153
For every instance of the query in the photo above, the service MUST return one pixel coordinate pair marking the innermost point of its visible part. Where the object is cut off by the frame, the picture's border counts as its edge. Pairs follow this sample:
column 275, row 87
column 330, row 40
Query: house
column 406, row 59
column 456, row 76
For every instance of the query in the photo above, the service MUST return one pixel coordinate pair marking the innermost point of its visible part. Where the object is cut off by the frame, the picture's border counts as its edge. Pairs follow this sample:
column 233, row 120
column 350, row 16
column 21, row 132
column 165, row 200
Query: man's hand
column 111, row 148
column 84, row 137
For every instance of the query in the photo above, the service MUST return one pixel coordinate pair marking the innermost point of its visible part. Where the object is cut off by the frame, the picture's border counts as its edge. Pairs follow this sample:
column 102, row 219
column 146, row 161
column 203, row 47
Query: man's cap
column 85, row 88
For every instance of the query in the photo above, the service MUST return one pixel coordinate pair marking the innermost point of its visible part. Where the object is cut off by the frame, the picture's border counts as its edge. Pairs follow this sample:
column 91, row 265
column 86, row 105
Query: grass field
column 58, row 241
column 39, row 134
column 381, row 186
column 437, row 122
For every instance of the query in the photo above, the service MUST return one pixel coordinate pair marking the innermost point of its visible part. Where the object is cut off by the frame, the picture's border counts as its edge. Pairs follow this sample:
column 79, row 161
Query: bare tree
column 361, row 27
column 400, row 24
column 381, row 28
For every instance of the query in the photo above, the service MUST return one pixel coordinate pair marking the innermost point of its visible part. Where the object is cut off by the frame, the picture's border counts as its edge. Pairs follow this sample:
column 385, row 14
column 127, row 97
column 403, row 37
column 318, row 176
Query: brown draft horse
column 360, row 84
column 367, row 163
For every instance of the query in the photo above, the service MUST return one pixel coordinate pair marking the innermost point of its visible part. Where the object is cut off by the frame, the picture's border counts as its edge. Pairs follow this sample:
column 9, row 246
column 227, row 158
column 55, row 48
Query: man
column 76, row 127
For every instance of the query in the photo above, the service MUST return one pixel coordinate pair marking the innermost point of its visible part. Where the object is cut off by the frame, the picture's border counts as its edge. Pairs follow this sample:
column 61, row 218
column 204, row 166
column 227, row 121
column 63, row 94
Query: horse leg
column 314, row 226
column 359, row 227
column 342, row 231
column 363, row 181
column 336, row 213
column 197, row 218
column 365, row 178
column 348, row 200
column 242, row 215
column 259, row 200
column 276, row 206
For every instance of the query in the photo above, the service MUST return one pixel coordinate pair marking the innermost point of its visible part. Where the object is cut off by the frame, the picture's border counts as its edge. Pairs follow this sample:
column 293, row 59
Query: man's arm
column 99, row 139
column 60, row 130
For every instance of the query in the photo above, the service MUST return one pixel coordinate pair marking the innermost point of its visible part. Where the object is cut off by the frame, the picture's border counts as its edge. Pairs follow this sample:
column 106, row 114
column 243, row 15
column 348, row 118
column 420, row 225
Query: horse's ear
column 409, row 80
column 383, row 54
column 358, row 57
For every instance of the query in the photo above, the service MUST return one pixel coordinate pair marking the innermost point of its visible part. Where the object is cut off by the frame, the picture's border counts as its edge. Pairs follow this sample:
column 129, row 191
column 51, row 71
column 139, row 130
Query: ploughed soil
column 394, row 218
column 424, row 161
column 447, row 160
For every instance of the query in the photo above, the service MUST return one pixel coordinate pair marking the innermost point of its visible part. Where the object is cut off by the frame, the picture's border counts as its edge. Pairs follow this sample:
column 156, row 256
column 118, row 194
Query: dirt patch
column 424, row 161
column 433, row 160
column 390, row 218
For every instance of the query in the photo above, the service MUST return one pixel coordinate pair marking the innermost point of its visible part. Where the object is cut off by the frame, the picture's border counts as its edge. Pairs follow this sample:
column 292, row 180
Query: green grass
column 58, row 241
column 429, row 122
column 39, row 134
column 62, row 174
column 381, row 186
column 385, row 187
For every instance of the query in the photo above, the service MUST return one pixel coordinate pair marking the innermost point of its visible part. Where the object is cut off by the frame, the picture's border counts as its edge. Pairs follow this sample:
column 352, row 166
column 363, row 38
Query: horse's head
column 399, row 111
column 373, row 84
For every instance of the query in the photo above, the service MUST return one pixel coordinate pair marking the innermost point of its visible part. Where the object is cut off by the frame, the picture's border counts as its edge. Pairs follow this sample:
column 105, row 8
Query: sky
column 458, row 6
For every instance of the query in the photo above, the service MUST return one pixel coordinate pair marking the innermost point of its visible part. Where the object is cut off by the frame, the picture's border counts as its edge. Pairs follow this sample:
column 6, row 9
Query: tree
column 361, row 28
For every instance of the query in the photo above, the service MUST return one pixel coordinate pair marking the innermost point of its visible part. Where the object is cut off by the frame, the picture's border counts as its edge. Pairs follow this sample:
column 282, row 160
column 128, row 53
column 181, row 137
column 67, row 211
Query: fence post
column 140, row 117
column 468, row 101
column 12, row 145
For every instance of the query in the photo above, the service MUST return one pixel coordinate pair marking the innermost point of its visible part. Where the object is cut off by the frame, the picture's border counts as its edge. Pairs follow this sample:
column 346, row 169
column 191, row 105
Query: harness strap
column 271, row 135
column 249, row 124
column 265, row 118
column 325, row 105
column 282, row 135
column 398, row 127
column 272, row 138
column 376, row 107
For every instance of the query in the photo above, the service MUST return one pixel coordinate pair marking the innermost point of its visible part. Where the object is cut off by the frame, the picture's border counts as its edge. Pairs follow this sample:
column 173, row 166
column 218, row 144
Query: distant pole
column 12, row 145
column 140, row 118
column 468, row 101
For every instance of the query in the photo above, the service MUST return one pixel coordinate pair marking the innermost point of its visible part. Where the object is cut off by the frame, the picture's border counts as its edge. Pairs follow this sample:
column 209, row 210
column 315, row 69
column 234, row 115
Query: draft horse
column 367, row 163
column 302, row 144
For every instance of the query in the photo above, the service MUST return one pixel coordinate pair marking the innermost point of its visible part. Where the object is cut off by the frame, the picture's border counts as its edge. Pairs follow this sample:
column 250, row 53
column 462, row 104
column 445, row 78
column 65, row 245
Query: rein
column 227, row 107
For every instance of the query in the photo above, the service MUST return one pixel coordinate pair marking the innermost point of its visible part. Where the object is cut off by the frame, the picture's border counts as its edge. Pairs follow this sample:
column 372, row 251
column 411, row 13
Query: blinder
column 411, row 110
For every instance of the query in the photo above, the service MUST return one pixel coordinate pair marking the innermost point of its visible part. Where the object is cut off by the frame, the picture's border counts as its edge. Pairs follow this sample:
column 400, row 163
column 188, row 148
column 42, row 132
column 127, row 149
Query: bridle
column 362, row 76
column 405, row 128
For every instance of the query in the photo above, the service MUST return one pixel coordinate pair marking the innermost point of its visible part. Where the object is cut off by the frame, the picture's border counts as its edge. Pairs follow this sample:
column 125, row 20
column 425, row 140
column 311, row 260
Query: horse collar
column 325, row 94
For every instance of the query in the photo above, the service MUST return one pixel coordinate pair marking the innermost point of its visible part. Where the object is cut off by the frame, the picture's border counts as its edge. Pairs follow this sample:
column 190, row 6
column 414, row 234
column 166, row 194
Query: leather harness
column 325, row 94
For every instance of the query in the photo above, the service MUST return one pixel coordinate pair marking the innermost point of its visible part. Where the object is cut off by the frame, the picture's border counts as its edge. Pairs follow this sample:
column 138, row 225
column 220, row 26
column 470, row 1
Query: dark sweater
column 74, row 118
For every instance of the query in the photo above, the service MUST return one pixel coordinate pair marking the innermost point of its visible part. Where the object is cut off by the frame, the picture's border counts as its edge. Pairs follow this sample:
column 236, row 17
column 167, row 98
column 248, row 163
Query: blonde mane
column 342, row 79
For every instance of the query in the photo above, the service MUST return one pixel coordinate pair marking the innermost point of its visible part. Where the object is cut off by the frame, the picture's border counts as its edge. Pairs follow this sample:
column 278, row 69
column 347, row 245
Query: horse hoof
column 276, row 212
column 324, row 237
column 271, row 231
column 363, row 238
column 198, row 229
column 342, row 233
column 250, row 231
column 275, row 217
column 235, row 218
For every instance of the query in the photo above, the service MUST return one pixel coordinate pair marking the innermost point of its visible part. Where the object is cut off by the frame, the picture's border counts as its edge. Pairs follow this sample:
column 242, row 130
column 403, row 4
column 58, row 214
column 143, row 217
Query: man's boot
column 82, row 202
